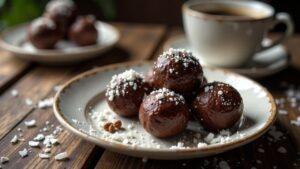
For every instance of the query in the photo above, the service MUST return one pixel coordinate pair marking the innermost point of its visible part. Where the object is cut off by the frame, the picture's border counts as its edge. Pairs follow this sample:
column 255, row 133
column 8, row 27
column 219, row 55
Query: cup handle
column 284, row 18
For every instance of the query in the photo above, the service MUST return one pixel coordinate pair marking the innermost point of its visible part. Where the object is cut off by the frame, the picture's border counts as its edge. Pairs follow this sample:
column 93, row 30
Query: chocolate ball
column 178, row 70
column 43, row 33
column 125, row 93
column 218, row 106
column 164, row 113
column 83, row 31
column 62, row 12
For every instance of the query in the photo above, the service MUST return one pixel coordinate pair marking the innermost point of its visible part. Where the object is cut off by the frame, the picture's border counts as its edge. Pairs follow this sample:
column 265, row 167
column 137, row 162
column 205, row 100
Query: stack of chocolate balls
column 174, row 88
column 60, row 21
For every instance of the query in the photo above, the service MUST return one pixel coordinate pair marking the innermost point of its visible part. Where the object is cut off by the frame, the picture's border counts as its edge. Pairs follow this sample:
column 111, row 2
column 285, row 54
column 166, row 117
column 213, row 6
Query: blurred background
column 13, row 12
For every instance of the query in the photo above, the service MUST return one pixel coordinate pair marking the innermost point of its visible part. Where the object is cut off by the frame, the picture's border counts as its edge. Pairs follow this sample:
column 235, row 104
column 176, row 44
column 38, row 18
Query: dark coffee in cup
column 230, row 11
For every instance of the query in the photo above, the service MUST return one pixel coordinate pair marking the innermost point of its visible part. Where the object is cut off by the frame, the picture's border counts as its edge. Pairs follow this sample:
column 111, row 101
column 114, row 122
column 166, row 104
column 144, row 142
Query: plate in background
column 80, row 106
column 14, row 41
column 262, row 64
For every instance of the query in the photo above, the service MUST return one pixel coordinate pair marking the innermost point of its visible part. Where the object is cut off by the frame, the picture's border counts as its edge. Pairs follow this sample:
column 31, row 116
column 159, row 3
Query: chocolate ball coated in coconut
column 83, row 31
column 218, row 106
column 43, row 33
column 125, row 93
column 178, row 70
column 164, row 113
column 62, row 12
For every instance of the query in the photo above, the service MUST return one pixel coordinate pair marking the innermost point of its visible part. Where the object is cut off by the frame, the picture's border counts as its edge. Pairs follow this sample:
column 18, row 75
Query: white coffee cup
column 229, row 33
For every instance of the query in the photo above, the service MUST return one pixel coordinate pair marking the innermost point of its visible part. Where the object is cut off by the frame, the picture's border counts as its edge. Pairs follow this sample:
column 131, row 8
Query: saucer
column 14, row 40
column 262, row 64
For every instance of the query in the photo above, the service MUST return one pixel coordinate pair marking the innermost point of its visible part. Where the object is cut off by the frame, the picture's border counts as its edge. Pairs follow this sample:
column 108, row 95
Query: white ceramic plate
column 14, row 41
column 80, row 106
column 262, row 64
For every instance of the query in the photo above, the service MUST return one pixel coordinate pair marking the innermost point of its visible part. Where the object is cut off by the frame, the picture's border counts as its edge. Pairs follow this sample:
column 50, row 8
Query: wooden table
column 138, row 41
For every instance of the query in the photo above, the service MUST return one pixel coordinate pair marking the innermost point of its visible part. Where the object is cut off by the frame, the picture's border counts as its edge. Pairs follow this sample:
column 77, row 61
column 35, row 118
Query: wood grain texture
column 10, row 69
column 247, row 156
column 137, row 42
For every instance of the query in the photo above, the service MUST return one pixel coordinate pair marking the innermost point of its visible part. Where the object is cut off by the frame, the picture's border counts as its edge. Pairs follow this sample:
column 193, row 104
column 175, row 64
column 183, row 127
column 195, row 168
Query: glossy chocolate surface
column 218, row 106
column 164, row 115
column 43, row 33
column 177, row 70
column 83, row 31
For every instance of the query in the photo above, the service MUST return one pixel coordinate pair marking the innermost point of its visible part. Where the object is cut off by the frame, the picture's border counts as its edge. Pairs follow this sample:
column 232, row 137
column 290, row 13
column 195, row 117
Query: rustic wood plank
column 244, row 157
column 10, row 69
column 38, row 84
column 34, row 86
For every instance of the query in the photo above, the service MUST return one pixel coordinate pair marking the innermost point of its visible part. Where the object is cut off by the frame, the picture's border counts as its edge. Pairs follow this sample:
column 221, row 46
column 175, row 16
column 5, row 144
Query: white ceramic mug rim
column 186, row 8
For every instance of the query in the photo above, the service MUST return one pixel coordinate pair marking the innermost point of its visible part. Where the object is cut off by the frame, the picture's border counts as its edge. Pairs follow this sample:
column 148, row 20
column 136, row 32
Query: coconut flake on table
column 39, row 137
column 282, row 150
column 260, row 150
column 4, row 160
column 224, row 165
column 14, row 140
column 61, row 156
column 50, row 140
column 44, row 156
column 33, row 143
column 258, row 161
column 277, row 135
column 30, row 123
column 23, row 153
column 127, row 78
column 14, row 93
column 282, row 112
column 57, row 88
column 296, row 122
column 45, row 103
column 28, row 101
column 47, row 150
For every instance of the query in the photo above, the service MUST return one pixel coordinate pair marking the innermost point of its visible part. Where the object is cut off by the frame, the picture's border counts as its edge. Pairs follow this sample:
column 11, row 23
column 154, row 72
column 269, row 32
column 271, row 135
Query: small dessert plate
column 80, row 106
column 262, row 64
column 14, row 40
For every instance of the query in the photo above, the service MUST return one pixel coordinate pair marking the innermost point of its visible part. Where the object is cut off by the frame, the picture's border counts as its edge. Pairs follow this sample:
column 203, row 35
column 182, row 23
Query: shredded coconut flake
column 44, row 156
column 199, row 145
column 43, row 21
column 28, row 101
column 224, row 165
column 296, row 122
column 23, row 153
column 33, row 143
column 39, row 137
column 120, row 82
column 172, row 96
column 282, row 150
column 260, row 150
column 179, row 55
column 30, row 123
column 45, row 103
column 61, row 156
column 14, row 140
column 4, row 160
column 14, row 93
column 282, row 112
column 209, row 137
